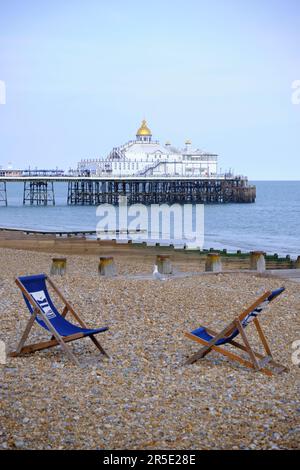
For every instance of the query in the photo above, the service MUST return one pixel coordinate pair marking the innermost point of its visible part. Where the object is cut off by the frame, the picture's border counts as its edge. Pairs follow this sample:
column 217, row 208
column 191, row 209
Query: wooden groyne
column 54, row 243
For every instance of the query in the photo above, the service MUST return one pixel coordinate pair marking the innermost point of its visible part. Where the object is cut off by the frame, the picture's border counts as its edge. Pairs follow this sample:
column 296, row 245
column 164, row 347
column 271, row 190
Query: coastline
column 270, row 224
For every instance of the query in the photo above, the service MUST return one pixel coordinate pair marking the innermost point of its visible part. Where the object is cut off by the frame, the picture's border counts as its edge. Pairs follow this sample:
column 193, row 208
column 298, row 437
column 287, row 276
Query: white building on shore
column 146, row 157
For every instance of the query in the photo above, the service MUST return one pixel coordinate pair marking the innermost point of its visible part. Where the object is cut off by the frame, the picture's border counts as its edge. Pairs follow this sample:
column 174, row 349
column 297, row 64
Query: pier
column 3, row 193
column 38, row 189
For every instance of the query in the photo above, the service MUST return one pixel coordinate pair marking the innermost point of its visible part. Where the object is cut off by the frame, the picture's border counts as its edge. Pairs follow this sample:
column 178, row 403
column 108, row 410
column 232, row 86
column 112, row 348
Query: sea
column 271, row 224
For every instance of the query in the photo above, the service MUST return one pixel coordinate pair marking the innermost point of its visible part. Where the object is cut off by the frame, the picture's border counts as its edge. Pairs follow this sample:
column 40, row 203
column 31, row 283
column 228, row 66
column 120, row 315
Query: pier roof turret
column 144, row 129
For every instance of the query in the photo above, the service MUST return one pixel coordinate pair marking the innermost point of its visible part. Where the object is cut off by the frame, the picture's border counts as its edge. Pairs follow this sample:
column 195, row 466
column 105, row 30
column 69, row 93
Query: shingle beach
column 143, row 397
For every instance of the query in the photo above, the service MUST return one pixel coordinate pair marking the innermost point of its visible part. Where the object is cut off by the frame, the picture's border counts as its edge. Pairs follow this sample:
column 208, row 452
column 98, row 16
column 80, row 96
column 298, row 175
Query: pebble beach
column 143, row 397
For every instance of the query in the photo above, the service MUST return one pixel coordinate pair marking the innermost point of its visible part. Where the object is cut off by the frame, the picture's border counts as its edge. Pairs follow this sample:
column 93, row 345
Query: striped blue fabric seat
column 203, row 334
column 36, row 287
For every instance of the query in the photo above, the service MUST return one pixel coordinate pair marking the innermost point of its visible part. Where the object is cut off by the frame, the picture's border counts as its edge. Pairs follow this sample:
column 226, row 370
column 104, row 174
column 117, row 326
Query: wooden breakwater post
column 297, row 263
column 59, row 266
column 164, row 265
column 258, row 261
column 213, row 263
column 107, row 266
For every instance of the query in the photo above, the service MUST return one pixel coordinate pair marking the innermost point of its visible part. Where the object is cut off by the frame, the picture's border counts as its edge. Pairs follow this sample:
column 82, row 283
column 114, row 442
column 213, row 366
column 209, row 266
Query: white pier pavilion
column 146, row 157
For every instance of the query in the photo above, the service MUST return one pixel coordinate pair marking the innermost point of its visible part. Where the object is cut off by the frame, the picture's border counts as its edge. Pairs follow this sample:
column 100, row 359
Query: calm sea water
column 271, row 224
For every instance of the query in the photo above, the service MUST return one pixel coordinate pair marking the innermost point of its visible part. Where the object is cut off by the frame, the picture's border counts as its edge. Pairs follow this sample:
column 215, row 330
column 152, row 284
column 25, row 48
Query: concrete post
column 164, row 265
column 59, row 266
column 107, row 266
column 213, row 263
column 257, row 261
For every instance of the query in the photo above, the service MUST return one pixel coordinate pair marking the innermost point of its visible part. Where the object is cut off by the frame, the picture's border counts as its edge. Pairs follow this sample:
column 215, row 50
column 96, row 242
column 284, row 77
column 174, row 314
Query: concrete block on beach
column 2, row 353
column 164, row 264
column 107, row 266
column 59, row 266
column 257, row 261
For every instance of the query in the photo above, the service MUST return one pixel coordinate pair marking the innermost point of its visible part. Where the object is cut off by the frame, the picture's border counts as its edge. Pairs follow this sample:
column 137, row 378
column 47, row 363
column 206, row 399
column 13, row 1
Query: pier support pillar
column 107, row 266
column 39, row 193
column 164, row 265
column 213, row 263
column 257, row 261
column 3, row 193
column 82, row 191
column 59, row 266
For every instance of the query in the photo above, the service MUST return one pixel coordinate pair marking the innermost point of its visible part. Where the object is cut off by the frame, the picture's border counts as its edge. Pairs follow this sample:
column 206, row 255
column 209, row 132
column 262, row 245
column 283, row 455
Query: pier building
column 147, row 157
column 144, row 170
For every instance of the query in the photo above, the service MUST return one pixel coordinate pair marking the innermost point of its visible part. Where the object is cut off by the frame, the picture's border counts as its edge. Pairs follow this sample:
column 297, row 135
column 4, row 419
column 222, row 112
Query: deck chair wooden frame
column 56, row 338
column 255, row 360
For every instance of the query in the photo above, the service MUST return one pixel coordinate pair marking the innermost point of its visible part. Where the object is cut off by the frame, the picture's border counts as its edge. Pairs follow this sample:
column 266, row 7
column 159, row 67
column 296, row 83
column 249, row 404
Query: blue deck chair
column 44, row 312
column 214, row 341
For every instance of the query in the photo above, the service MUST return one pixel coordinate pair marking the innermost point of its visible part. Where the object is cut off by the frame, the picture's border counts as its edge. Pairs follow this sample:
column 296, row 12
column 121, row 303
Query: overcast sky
column 81, row 75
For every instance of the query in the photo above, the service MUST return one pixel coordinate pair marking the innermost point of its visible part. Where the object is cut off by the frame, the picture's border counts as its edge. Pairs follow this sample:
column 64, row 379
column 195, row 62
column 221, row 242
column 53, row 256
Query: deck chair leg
column 232, row 356
column 242, row 361
column 98, row 345
column 208, row 346
column 55, row 335
column 60, row 340
column 269, row 358
column 262, row 337
column 248, row 346
column 198, row 355
column 66, row 349
column 26, row 332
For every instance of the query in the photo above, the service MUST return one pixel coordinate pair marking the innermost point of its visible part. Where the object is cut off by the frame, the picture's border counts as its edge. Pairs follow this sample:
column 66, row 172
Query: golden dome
column 144, row 129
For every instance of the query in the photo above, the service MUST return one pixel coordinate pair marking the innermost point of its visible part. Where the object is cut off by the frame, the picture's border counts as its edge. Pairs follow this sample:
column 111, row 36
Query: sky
column 80, row 77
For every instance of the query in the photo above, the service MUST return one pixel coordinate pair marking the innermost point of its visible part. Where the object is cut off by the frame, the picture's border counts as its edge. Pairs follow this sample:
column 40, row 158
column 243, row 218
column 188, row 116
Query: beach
column 143, row 397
